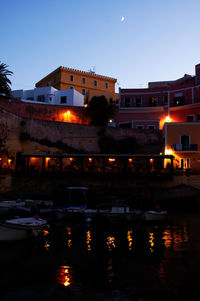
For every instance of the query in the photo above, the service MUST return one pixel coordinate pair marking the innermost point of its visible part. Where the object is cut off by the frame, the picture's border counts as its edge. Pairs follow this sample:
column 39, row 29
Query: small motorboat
column 21, row 228
column 153, row 215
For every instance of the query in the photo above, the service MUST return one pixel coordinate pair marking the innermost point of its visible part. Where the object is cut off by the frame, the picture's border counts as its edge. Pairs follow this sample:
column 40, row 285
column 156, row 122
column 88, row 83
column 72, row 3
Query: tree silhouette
column 4, row 80
column 99, row 111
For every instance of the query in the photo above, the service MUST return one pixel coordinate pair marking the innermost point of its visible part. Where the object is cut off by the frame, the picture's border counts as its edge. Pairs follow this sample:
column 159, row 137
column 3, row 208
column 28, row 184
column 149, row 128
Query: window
column 83, row 91
column 83, row 80
column 198, row 116
column 111, row 101
column 165, row 100
column 41, row 98
column 30, row 98
column 190, row 118
column 139, row 127
column 138, row 101
column 71, row 87
column 106, row 85
column 179, row 100
column 127, row 102
column 95, row 83
column 63, row 99
column 151, row 127
column 153, row 101
column 71, row 78
column 125, row 125
column 185, row 141
column 54, row 79
column 185, row 163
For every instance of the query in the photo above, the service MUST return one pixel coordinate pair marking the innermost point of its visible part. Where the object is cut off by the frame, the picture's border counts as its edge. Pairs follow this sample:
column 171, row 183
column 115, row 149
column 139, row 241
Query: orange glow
column 45, row 232
column 86, row 105
column 167, row 237
column 47, row 161
column 47, row 246
column 151, row 160
column 71, row 159
column 64, row 275
column 168, row 151
column 111, row 160
column 0, row 159
column 90, row 160
column 151, row 241
column 168, row 119
column 9, row 162
column 33, row 158
column 130, row 239
column 130, row 160
column 89, row 240
column 164, row 120
column 111, row 243
column 67, row 116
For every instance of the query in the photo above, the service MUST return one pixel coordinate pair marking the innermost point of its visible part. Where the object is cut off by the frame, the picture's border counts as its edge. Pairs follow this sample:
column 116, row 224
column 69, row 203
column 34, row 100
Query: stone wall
column 80, row 137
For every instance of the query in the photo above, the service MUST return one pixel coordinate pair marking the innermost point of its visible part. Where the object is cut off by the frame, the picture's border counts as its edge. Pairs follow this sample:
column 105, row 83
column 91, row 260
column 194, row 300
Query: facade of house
column 176, row 101
column 88, row 84
column 51, row 96
column 182, row 141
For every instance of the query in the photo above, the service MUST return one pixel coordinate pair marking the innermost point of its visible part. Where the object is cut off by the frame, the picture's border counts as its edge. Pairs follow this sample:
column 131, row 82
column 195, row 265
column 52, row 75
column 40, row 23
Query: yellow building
column 183, row 141
column 87, row 83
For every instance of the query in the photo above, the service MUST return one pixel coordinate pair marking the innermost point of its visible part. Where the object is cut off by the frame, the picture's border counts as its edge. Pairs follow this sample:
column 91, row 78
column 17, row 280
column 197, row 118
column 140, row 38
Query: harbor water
column 105, row 259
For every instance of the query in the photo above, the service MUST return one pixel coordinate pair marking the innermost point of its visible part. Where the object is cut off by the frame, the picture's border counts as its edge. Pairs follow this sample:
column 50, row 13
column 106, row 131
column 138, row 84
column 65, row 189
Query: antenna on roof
column 93, row 70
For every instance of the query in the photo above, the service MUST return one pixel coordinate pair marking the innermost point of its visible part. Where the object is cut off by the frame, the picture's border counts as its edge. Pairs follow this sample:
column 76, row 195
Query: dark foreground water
column 105, row 260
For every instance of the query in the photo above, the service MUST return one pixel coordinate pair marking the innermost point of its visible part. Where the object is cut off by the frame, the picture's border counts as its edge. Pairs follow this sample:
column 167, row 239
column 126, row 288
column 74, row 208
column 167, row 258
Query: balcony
column 183, row 148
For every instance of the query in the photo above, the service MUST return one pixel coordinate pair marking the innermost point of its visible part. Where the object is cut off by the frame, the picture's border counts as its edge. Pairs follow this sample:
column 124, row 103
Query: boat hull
column 155, row 216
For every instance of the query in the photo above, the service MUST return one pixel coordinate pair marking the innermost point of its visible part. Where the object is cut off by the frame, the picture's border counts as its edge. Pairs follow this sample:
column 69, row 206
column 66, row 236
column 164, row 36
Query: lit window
column 179, row 100
column 71, row 78
column 153, row 101
column 106, row 85
column 95, row 83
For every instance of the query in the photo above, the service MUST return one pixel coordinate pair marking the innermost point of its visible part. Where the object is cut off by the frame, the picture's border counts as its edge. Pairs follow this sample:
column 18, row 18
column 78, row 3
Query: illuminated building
column 88, row 84
column 51, row 96
column 182, row 141
column 167, row 101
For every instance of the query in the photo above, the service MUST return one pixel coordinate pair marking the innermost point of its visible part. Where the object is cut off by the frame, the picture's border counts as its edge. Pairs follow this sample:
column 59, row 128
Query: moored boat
column 153, row 215
column 5, row 206
column 21, row 228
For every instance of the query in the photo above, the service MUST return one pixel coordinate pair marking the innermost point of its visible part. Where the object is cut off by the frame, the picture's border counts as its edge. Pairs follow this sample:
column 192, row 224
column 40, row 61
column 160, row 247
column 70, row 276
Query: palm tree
column 4, row 80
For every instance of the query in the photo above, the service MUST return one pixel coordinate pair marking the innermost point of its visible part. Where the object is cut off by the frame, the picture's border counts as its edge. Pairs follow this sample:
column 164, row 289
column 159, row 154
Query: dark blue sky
column 158, row 40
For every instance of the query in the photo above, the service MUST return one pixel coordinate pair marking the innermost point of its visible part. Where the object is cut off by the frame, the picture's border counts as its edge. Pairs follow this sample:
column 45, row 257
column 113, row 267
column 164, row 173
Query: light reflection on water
column 64, row 276
column 103, row 253
column 111, row 243
column 130, row 239
column 88, row 240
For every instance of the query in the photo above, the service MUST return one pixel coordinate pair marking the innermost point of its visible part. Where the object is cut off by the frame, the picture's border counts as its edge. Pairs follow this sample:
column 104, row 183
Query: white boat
column 5, row 206
column 153, row 215
column 21, row 228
